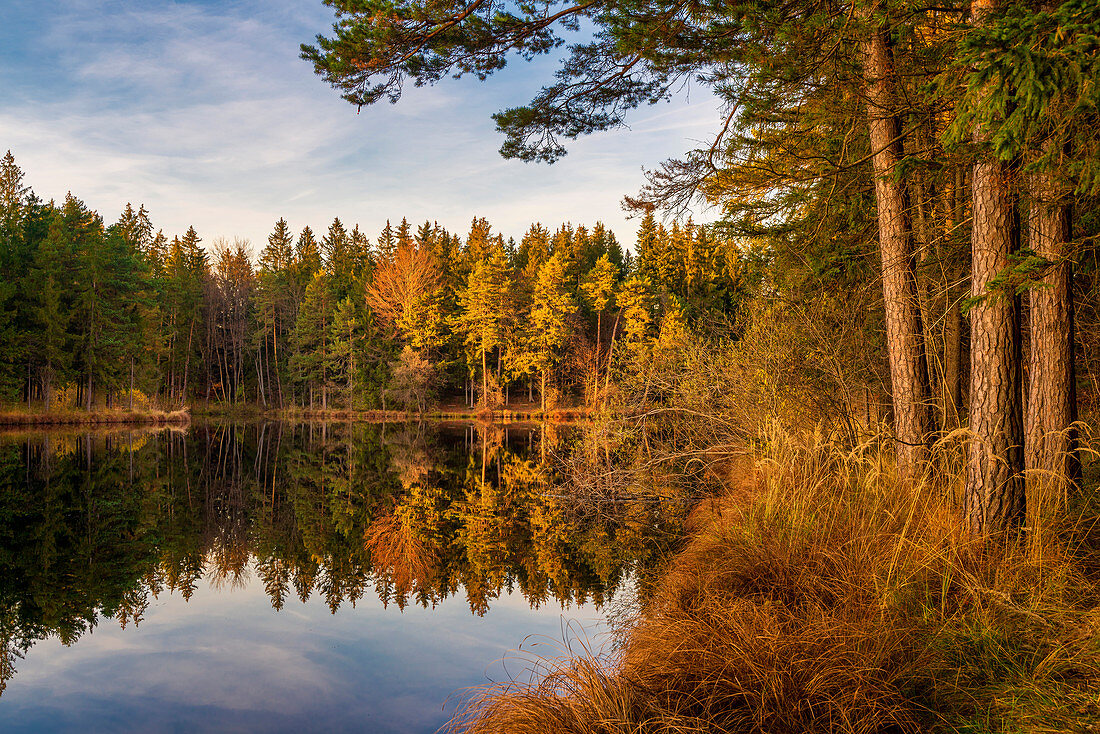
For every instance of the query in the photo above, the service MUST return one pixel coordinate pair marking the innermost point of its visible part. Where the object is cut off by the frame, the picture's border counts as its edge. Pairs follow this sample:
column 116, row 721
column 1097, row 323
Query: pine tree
column 338, row 261
column 274, row 307
column 185, row 276
column 598, row 287
column 482, row 313
column 387, row 242
column 345, row 351
column 552, row 311
column 307, row 261
column 637, row 304
column 105, row 300
column 312, row 346
column 13, row 196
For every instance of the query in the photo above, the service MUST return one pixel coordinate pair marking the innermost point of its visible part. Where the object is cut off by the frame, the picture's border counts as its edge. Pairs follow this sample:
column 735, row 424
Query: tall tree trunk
column 904, row 333
column 278, row 377
column 611, row 354
column 994, row 498
column 1051, row 405
column 187, row 362
column 952, row 326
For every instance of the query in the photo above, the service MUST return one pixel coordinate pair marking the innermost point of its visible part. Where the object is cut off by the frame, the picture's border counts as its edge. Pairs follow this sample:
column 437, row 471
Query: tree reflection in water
column 96, row 526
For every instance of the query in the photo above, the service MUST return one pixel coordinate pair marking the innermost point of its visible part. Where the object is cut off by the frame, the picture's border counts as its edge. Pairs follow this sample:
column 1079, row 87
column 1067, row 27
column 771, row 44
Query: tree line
column 94, row 314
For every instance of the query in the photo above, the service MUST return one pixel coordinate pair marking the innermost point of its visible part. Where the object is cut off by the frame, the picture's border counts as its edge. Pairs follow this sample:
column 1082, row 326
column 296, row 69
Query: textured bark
column 1051, row 405
column 904, row 332
column 994, row 496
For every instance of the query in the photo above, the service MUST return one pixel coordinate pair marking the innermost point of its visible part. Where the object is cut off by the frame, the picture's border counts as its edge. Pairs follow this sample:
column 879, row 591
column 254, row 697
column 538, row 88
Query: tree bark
column 1051, row 406
column 994, row 497
column 904, row 332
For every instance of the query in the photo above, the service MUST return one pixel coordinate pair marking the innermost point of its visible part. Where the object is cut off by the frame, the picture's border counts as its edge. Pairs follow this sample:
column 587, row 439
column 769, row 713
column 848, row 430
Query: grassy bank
column 825, row 594
column 99, row 417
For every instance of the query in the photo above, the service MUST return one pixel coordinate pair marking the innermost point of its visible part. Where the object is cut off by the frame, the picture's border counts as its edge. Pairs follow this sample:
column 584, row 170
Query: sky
column 204, row 112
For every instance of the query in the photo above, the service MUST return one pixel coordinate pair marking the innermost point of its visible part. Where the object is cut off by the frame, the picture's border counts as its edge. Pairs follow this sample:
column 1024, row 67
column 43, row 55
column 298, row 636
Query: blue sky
column 204, row 112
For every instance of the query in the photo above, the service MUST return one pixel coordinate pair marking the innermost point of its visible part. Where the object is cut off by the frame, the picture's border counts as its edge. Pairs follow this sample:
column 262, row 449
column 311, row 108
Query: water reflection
column 98, row 526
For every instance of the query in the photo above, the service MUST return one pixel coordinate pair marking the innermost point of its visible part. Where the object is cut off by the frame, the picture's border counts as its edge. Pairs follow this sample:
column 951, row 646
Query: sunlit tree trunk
column 1051, row 404
column 904, row 332
column 994, row 497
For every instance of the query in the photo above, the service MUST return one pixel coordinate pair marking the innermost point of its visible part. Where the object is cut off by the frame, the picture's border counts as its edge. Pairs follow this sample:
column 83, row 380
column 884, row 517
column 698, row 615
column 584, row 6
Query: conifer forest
column 96, row 314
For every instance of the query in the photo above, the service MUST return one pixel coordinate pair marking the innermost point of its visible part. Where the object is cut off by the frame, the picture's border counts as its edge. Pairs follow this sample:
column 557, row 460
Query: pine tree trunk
column 1051, row 405
column 278, row 377
column 351, row 372
column 904, row 332
column 187, row 362
column 611, row 354
column 994, row 496
column 952, row 386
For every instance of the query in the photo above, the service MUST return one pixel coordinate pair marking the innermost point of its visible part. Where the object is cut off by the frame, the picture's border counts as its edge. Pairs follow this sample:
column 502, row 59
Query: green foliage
column 1030, row 83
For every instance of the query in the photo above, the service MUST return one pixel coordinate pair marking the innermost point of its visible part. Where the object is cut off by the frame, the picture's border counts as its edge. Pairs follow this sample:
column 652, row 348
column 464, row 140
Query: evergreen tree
column 482, row 313
column 312, row 345
column 598, row 287
column 552, row 311
column 275, row 309
column 338, row 260
column 387, row 242
column 12, row 207
column 637, row 304
column 345, row 351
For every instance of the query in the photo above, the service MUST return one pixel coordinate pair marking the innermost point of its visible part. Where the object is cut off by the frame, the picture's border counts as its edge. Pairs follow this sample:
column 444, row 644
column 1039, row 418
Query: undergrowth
column 827, row 594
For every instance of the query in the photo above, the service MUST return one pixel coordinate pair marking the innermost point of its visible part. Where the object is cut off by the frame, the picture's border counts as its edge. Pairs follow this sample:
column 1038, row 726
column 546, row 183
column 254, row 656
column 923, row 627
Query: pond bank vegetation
column 821, row 592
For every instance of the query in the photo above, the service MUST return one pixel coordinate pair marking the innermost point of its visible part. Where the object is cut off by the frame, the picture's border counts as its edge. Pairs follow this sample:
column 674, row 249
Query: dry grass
column 830, row 596
column 72, row 417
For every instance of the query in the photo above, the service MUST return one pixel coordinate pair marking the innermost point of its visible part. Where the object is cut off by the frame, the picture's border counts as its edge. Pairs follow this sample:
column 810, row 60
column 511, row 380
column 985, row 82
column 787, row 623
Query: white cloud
column 207, row 115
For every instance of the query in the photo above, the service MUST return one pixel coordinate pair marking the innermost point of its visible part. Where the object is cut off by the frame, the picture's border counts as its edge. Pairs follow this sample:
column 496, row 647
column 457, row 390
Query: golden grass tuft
column 834, row 596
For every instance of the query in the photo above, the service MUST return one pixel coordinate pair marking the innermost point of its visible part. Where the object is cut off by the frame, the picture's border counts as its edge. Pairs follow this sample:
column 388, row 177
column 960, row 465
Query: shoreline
column 14, row 418
column 46, row 419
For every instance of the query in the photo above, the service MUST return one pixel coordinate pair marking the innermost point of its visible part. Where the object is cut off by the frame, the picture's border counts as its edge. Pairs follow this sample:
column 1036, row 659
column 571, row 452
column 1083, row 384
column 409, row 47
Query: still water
column 295, row 577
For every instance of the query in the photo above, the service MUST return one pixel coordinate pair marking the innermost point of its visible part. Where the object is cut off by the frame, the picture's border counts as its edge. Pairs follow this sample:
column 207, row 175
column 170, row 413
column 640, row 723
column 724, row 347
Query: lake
column 297, row 577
